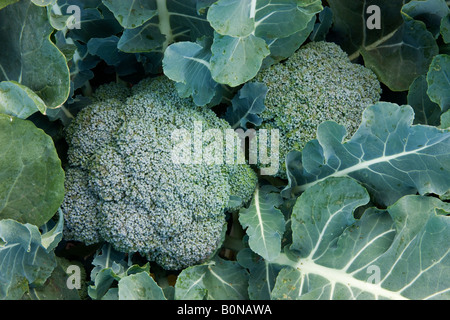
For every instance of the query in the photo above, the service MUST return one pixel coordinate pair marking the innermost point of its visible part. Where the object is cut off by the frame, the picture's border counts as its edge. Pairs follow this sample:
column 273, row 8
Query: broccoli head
column 317, row 83
column 123, row 186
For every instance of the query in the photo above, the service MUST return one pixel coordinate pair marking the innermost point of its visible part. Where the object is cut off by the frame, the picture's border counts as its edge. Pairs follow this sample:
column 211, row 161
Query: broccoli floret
column 123, row 186
column 242, row 183
column 112, row 90
column 317, row 83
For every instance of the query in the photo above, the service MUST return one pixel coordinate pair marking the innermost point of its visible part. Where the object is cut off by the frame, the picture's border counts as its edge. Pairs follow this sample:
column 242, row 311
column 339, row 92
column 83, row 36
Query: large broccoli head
column 317, row 83
column 124, row 187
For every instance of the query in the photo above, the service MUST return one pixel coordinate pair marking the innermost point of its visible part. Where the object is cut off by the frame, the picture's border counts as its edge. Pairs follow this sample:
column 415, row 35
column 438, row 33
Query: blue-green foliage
column 359, row 209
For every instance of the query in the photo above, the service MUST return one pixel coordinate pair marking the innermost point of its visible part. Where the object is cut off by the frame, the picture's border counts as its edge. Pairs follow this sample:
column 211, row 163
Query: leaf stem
column 67, row 112
column 354, row 55
column 87, row 90
column 164, row 23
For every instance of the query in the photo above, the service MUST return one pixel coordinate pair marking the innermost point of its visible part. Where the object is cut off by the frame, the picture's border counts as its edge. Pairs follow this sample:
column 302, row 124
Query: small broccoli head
column 113, row 90
column 317, row 83
column 242, row 181
column 127, row 190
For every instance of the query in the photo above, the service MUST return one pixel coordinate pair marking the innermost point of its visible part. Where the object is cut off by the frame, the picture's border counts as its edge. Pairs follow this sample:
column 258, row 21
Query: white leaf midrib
column 337, row 276
column 260, row 221
column 364, row 165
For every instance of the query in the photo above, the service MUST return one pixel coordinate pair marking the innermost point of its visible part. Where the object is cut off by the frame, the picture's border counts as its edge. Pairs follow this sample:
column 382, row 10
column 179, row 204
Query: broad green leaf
column 139, row 286
column 203, row 5
column 43, row 3
column 399, row 51
column 283, row 48
column 265, row 223
column 23, row 259
column 426, row 111
column 61, row 15
column 323, row 212
column 445, row 28
column 108, row 267
column 236, row 60
column 271, row 20
column 240, row 28
column 187, row 63
column 322, row 28
column 445, row 120
column 234, row 18
column 146, row 38
column 112, row 294
column 350, row 22
column 281, row 18
column 217, row 280
column 108, row 257
column 429, row 12
column 398, row 253
column 263, row 274
column 32, row 187
column 246, row 105
column 138, row 269
column 51, row 238
column 4, row 3
column 190, row 286
column 19, row 101
column 131, row 13
column 179, row 20
column 438, row 79
column 55, row 288
column 79, row 22
column 95, row 22
column 401, row 57
column 66, row 46
column 175, row 21
column 111, row 270
column 245, row 32
column 388, row 155
column 102, row 283
column 106, row 49
column 30, row 58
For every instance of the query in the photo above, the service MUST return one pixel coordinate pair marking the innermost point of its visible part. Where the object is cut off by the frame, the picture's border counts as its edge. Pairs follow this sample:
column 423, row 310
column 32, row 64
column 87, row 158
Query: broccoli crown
column 317, row 83
column 123, row 186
